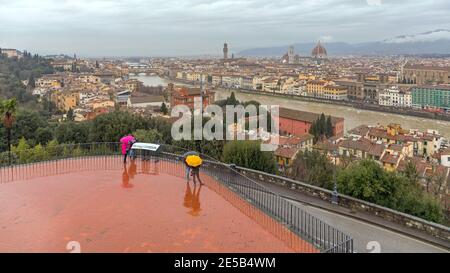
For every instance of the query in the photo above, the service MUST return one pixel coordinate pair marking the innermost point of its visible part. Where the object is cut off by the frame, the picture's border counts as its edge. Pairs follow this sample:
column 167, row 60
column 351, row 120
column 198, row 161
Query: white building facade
column 394, row 97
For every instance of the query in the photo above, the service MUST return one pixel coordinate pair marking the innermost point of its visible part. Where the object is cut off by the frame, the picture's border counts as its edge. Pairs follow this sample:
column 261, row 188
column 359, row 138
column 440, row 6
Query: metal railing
column 308, row 227
column 28, row 162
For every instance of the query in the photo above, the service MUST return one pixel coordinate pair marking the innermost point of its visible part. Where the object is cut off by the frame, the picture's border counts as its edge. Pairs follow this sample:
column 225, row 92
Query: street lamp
column 334, row 194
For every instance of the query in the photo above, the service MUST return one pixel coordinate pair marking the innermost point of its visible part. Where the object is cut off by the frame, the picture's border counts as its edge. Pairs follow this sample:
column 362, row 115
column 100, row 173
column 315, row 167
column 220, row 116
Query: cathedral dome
column 319, row 51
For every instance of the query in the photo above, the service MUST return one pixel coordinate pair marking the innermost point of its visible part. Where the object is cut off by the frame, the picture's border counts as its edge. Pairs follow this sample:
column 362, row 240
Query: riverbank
column 353, row 104
column 354, row 116
column 356, row 105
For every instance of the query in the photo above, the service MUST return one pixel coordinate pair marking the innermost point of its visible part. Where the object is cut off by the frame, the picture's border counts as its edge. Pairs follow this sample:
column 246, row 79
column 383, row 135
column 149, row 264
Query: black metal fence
column 308, row 227
column 29, row 163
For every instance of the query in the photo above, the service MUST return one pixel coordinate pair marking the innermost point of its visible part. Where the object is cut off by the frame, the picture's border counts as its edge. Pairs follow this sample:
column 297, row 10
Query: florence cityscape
column 92, row 159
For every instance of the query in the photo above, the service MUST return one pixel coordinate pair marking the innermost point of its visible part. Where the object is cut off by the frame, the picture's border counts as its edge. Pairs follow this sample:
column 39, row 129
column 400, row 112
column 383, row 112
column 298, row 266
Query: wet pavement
column 141, row 207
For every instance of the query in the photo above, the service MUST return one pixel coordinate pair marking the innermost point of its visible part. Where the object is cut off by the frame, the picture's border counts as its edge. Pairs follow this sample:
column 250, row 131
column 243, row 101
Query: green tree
column 323, row 125
column 48, row 107
column 77, row 151
column 112, row 126
column 44, row 135
column 363, row 180
column 313, row 131
column 73, row 132
column 232, row 100
column 31, row 82
column 329, row 127
column 70, row 115
column 53, row 149
column 149, row 136
column 314, row 168
column 164, row 109
column 367, row 180
column 248, row 154
column 13, row 71
column 27, row 124
column 411, row 173
column 38, row 153
column 8, row 110
column 22, row 150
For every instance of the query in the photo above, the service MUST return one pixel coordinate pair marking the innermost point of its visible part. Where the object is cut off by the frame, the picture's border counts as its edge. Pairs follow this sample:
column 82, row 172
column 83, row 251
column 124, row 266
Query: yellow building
column 65, row 101
column 193, row 76
column 335, row 92
column 180, row 75
column 285, row 156
column 270, row 85
column 392, row 157
column 395, row 129
column 304, row 77
column 102, row 104
column 132, row 85
column 315, row 88
column 49, row 81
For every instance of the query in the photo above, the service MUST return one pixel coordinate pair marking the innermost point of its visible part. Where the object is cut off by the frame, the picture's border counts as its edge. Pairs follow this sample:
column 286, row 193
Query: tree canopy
column 248, row 154
column 322, row 127
column 367, row 180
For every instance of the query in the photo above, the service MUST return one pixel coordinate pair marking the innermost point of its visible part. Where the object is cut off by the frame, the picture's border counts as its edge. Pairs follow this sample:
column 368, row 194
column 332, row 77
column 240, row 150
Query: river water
column 353, row 117
column 151, row 80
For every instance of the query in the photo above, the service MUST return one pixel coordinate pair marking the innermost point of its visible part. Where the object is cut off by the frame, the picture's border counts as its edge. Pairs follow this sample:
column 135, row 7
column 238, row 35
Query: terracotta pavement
column 100, row 205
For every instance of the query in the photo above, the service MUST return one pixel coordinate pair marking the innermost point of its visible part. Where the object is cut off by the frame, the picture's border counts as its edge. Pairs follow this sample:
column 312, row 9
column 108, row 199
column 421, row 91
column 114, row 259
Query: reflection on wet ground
column 192, row 199
column 144, row 206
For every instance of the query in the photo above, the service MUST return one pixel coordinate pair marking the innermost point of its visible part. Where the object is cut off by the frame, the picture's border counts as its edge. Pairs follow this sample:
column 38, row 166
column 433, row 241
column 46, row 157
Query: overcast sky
column 190, row 27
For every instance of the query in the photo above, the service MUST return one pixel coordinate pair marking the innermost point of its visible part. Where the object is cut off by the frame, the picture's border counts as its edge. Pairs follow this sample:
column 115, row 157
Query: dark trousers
column 196, row 175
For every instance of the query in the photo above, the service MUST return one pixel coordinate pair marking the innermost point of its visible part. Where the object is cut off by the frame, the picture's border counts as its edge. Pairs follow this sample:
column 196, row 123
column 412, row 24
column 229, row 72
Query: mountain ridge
column 431, row 42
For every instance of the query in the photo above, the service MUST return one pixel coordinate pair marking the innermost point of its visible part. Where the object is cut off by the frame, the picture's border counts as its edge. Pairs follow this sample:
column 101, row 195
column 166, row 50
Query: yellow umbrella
column 193, row 161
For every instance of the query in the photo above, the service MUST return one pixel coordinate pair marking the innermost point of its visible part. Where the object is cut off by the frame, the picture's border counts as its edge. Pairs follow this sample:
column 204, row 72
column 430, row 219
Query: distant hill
column 432, row 42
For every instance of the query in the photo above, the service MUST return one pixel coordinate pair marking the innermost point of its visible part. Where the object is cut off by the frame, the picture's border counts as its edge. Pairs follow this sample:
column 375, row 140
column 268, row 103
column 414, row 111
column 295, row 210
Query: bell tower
column 225, row 51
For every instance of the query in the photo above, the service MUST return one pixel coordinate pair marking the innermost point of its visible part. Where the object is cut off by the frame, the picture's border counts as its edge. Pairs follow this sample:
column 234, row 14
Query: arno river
column 151, row 80
column 353, row 117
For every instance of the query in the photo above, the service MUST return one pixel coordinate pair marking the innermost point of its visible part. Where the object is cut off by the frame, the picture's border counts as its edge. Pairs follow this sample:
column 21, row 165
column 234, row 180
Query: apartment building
column 395, row 97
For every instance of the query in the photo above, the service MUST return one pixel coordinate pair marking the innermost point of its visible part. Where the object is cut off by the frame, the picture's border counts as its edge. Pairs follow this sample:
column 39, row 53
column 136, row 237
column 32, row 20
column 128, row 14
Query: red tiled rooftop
column 287, row 152
column 391, row 159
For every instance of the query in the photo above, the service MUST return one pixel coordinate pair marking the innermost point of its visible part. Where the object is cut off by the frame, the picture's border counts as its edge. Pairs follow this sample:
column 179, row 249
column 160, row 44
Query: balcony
column 85, row 194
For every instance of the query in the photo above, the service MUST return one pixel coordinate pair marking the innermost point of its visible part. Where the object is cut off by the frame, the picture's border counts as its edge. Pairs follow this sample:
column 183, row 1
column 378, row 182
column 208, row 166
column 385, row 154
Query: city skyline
column 198, row 27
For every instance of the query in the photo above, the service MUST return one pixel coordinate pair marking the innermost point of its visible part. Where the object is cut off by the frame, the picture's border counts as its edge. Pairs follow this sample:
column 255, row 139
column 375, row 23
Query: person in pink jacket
column 125, row 142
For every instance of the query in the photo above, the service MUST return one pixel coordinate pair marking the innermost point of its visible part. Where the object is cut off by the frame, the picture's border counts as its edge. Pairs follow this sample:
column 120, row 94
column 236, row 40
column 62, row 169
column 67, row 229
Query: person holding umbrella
column 188, row 168
column 194, row 162
column 126, row 146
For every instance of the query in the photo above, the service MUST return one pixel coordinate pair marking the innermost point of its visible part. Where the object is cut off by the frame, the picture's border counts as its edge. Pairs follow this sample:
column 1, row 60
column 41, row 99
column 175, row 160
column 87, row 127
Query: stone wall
column 438, row 231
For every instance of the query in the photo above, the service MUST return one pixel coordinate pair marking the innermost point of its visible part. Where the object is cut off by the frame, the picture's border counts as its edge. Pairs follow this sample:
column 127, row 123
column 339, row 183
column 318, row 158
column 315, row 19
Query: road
column 363, row 233
column 367, row 236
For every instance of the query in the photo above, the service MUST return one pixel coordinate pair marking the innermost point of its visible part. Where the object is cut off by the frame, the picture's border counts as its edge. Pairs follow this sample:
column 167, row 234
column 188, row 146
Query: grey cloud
column 175, row 27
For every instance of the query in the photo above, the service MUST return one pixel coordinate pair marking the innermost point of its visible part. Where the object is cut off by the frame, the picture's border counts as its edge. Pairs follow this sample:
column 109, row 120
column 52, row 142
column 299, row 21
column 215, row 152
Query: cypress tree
column 329, row 127
column 31, row 82
column 322, row 125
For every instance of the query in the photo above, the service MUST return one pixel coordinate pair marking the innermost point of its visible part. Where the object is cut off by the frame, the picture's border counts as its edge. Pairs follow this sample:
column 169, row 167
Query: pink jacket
column 124, row 141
